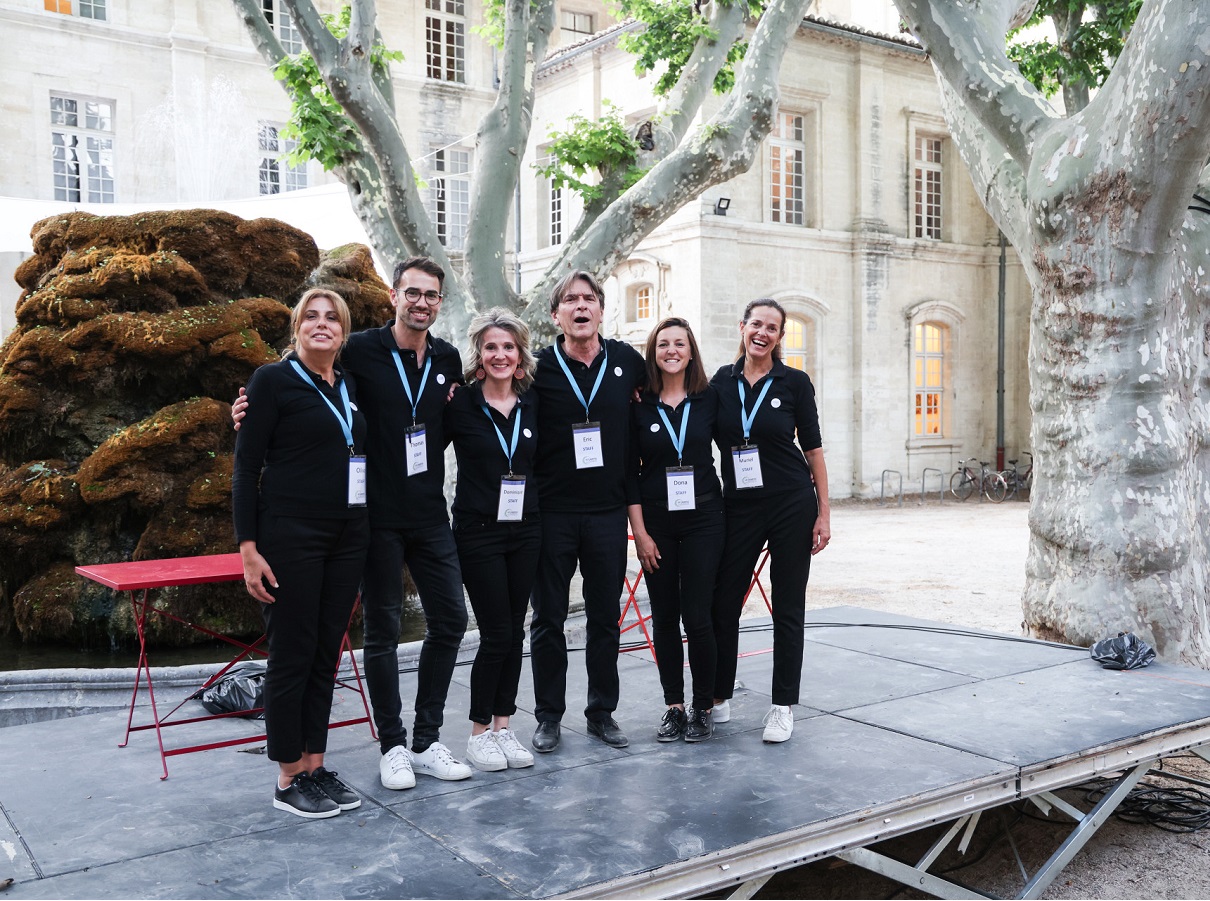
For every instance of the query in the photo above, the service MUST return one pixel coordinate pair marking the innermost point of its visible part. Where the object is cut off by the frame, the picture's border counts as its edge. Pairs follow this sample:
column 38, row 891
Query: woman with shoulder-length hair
column 776, row 488
column 493, row 424
column 676, row 517
column 299, row 502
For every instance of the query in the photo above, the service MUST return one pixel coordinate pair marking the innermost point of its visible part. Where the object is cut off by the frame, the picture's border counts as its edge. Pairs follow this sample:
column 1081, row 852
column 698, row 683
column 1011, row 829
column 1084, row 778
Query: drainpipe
column 1000, row 359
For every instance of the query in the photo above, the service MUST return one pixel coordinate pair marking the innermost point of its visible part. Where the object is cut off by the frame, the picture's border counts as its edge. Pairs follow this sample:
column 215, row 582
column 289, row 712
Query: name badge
column 586, row 441
column 417, row 450
column 512, row 499
column 357, row 481
column 747, row 467
column 680, row 488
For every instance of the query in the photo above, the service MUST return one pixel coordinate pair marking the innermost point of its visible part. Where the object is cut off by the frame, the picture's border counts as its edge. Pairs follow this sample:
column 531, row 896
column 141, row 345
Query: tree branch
column 723, row 148
column 965, row 40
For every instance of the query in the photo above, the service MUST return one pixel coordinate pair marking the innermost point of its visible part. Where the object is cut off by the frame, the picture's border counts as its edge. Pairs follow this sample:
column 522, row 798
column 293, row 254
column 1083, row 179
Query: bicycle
column 1017, row 480
column 989, row 483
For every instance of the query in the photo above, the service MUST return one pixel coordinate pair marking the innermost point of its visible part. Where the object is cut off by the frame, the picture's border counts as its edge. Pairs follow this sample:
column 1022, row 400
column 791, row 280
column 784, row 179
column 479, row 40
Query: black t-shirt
column 481, row 459
column 787, row 410
column 398, row 500
column 562, row 487
column 653, row 451
column 291, row 456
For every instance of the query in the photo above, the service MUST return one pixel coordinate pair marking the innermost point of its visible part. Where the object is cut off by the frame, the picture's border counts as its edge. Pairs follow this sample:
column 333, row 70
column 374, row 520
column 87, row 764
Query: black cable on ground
column 1170, row 808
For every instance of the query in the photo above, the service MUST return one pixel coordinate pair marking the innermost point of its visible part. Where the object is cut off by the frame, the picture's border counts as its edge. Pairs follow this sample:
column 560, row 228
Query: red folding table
column 139, row 577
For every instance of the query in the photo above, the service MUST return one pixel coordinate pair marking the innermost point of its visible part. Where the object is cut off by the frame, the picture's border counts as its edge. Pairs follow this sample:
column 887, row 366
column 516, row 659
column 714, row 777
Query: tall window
column 574, row 26
column 640, row 303
column 283, row 26
column 556, row 213
column 85, row 9
column 275, row 174
column 81, row 135
column 787, row 165
column 445, row 40
column 928, row 376
column 449, row 197
column 927, row 187
column 798, row 345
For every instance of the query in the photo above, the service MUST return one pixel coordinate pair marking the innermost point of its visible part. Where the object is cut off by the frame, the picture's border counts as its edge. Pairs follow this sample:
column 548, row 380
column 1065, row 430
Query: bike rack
column 882, row 494
column 924, row 478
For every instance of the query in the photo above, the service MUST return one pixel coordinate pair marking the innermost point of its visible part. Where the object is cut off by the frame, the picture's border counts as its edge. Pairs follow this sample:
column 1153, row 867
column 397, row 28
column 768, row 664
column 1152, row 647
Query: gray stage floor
column 901, row 721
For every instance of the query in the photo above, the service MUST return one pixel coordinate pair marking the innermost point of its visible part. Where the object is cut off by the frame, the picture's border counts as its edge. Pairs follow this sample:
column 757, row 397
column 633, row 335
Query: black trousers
column 598, row 542
column 499, row 562
column 318, row 564
column 432, row 559
column 690, row 543
column 785, row 522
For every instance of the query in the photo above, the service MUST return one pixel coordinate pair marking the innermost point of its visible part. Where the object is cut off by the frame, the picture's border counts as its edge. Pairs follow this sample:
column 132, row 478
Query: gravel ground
column 965, row 564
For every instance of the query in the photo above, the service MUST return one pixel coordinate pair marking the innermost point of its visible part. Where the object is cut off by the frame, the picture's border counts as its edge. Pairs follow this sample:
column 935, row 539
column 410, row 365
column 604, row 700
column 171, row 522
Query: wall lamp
column 721, row 206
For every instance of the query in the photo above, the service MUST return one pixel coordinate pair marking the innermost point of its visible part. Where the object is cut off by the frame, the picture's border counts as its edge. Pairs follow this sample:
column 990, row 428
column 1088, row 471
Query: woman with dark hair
column 676, row 517
column 299, row 502
column 493, row 426
column 777, row 492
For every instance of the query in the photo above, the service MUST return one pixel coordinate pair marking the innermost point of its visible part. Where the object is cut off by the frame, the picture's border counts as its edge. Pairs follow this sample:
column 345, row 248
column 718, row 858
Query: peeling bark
column 1119, row 335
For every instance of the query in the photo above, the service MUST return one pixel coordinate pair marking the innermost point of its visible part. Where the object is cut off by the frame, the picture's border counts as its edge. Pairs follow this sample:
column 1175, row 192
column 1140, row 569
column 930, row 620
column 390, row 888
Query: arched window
column 930, row 341
column 798, row 345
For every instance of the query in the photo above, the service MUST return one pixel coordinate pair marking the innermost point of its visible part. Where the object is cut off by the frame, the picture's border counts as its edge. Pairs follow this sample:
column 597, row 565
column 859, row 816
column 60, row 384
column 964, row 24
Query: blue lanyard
column 746, row 419
column 677, row 443
column 345, row 426
column 407, row 389
column 508, row 451
column 575, row 387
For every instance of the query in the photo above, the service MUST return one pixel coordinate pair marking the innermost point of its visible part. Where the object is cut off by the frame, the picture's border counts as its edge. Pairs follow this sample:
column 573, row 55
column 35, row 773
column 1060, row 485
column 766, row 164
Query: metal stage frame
column 905, row 724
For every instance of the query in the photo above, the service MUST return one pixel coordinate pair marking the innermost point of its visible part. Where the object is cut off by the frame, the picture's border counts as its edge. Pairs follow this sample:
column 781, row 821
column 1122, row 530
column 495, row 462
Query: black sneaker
column 345, row 797
column 700, row 725
column 305, row 798
column 672, row 726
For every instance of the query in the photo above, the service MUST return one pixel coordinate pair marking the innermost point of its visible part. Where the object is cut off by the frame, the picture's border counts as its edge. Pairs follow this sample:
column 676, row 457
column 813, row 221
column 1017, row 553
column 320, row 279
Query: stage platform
column 904, row 724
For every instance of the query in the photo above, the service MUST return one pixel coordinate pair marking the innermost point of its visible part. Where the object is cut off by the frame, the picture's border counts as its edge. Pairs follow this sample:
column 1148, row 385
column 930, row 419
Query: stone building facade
column 857, row 216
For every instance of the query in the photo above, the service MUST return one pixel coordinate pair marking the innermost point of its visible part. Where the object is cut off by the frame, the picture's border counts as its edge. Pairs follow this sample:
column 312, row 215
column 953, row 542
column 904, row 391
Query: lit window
column 556, row 213
column 85, row 9
column 575, row 26
column 798, row 345
column 275, row 174
column 928, row 377
column 445, row 40
column 640, row 303
column 787, row 162
column 81, row 134
column 927, row 187
column 449, row 194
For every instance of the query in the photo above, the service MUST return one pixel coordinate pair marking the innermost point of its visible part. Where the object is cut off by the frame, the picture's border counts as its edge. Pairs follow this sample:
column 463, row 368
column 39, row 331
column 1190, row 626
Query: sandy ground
column 965, row 564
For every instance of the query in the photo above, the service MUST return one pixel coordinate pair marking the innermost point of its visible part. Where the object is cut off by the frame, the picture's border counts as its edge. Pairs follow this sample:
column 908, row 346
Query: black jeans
column 598, row 542
column 318, row 564
column 432, row 559
column 690, row 543
column 786, row 522
column 499, row 562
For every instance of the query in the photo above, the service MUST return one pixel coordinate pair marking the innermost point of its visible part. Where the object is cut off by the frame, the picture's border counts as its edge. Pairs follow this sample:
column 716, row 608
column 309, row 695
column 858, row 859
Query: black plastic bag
column 242, row 688
column 1127, row 651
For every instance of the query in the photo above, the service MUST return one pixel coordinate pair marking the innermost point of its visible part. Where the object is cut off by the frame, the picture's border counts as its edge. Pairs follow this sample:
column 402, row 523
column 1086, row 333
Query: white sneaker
column 395, row 769
column 779, row 723
column 484, row 754
column 513, row 751
column 722, row 712
column 436, row 760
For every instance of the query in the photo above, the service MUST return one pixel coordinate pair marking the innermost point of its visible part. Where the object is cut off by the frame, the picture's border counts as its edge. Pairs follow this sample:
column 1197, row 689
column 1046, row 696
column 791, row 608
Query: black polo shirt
column 653, row 451
column 395, row 499
column 562, row 487
column 788, row 411
column 291, row 456
column 481, row 459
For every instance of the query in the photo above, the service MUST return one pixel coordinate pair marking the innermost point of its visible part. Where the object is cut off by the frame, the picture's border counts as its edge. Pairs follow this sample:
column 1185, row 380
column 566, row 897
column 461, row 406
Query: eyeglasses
column 572, row 299
column 432, row 297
